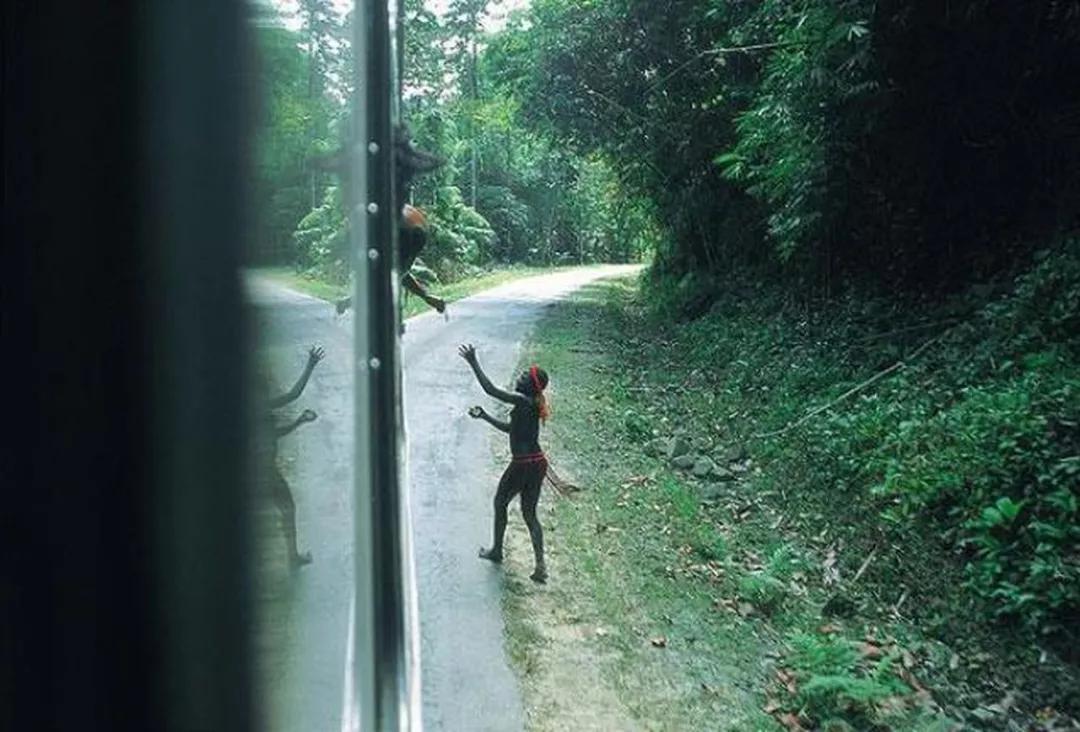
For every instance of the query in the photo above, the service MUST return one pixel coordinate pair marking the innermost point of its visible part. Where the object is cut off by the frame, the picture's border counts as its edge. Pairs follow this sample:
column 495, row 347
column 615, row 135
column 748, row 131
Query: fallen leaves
column 773, row 706
column 787, row 680
column 741, row 512
column 710, row 571
column 871, row 650
column 790, row 722
column 877, row 653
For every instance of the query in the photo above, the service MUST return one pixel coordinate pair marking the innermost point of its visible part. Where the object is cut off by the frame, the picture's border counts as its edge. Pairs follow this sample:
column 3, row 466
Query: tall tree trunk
column 475, row 94
column 312, row 76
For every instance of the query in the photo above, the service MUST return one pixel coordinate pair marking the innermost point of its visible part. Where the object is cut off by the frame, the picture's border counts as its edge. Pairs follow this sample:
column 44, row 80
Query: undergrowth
column 899, row 520
column 974, row 435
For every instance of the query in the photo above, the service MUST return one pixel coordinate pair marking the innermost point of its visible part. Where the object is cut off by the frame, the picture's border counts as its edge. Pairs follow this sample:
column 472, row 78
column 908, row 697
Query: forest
column 509, row 193
column 860, row 221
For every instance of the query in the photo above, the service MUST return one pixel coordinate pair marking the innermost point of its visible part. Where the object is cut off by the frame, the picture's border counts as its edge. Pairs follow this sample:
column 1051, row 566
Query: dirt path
column 566, row 687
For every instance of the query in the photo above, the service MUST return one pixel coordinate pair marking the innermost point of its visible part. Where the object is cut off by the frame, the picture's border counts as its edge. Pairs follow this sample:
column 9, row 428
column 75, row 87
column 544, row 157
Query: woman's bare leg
column 502, row 500
column 287, row 506
column 530, row 497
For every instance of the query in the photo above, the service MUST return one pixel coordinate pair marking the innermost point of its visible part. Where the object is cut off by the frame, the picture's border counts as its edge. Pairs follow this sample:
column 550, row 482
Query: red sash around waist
column 536, row 457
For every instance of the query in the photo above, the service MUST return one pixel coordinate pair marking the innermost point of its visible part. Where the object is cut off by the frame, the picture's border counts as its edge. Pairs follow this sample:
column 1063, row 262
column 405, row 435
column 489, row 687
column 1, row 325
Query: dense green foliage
column 300, row 116
column 507, row 194
column 985, row 438
column 926, row 521
column 882, row 151
column 967, row 426
column 917, row 144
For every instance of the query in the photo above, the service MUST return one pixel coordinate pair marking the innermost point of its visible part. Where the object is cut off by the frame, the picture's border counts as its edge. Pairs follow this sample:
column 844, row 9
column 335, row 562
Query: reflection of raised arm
column 479, row 413
column 418, row 161
column 413, row 285
column 306, row 416
column 314, row 356
column 468, row 352
column 411, row 158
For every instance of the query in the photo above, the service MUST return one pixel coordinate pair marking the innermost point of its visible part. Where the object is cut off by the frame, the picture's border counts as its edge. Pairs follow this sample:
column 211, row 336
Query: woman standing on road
column 528, row 465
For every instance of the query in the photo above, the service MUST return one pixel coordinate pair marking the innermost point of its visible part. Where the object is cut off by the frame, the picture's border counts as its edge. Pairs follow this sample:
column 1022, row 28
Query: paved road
column 302, row 616
column 467, row 684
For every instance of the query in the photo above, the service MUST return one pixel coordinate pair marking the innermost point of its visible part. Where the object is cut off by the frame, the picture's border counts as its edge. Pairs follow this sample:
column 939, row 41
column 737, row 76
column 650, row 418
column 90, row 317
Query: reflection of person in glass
column 412, row 237
column 282, row 493
column 528, row 465
column 412, row 225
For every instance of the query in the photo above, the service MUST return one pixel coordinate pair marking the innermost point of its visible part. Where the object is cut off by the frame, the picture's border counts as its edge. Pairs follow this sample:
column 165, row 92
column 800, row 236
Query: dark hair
column 538, row 395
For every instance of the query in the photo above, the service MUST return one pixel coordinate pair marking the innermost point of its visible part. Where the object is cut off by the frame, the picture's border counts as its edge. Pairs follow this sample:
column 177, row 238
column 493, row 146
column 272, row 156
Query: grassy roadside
column 740, row 599
column 470, row 285
column 413, row 305
column 628, row 593
column 304, row 283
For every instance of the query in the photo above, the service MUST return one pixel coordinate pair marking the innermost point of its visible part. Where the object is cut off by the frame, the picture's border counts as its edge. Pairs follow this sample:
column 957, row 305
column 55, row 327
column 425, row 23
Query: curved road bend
column 467, row 682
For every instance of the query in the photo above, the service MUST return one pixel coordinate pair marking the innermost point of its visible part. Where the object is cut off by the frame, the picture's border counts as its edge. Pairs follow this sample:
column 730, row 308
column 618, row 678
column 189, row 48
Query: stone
column 732, row 454
column 654, row 448
column 721, row 473
column 712, row 493
column 703, row 466
column 676, row 447
column 684, row 462
column 746, row 609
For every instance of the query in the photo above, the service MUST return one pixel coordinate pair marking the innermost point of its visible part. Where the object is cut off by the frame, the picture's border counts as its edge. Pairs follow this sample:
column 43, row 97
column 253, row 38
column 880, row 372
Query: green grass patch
column 332, row 292
column 623, row 550
column 523, row 638
column 305, row 283
column 469, row 286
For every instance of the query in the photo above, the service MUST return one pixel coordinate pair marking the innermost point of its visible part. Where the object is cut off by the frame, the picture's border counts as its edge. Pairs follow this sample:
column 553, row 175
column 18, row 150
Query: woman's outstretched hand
column 476, row 412
column 467, row 352
column 315, row 354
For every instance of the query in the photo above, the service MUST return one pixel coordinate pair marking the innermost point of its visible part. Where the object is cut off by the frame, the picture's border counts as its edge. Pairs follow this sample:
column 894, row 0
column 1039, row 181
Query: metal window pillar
column 383, row 693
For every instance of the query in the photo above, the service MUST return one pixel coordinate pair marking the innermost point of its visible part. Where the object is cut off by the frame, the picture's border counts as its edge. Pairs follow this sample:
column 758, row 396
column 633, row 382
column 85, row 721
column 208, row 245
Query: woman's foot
column 491, row 555
column 539, row 575
column 300, row 559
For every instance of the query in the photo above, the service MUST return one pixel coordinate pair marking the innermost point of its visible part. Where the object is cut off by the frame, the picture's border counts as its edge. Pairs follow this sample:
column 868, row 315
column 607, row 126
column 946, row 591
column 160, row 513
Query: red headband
column 535, row 379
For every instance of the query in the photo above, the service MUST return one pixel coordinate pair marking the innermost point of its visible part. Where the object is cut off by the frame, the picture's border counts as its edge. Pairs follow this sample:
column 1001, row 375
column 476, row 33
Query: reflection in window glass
column 302, row 446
